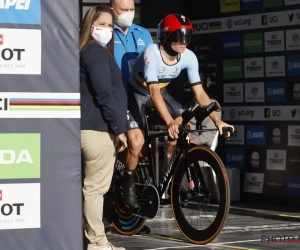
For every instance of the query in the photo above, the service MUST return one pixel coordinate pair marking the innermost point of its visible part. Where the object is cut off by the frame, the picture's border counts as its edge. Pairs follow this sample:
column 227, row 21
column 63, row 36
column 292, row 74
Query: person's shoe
column 108, row 246
column 129, row 196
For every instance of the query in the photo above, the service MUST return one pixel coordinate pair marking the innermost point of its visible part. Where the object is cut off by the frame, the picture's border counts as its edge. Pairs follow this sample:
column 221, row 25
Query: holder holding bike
column 199, row 210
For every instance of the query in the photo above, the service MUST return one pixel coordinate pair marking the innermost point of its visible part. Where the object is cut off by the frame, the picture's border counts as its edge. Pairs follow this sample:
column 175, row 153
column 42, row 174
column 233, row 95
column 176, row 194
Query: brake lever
column 226, row 131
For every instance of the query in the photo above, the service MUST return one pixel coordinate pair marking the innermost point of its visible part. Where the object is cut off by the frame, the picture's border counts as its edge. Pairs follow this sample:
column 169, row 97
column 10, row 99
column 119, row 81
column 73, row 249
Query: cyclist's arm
column 159, row 102
column 191, row 64
column 150, row 68
column 203, row 100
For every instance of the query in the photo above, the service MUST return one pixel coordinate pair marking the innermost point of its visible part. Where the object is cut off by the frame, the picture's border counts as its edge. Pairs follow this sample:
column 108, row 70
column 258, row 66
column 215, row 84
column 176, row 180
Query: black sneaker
column 129, row 196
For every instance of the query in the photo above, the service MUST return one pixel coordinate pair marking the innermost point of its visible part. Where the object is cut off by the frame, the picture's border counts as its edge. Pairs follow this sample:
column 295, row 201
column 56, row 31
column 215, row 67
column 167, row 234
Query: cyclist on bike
column 153, row 70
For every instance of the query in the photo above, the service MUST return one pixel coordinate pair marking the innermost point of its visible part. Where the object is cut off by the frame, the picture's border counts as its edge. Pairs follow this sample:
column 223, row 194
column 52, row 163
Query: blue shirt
column 136, row 40
column 150, row 68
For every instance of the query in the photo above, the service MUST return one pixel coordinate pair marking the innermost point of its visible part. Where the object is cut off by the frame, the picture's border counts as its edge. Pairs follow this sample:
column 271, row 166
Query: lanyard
column 135, row 45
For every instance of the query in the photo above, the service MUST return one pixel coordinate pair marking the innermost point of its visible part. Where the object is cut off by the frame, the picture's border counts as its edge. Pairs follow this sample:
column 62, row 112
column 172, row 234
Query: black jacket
column 103, row 91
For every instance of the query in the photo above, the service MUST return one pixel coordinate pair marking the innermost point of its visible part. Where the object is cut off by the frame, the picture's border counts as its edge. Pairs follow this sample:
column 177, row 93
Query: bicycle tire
column 123, row 222
column 201, row 237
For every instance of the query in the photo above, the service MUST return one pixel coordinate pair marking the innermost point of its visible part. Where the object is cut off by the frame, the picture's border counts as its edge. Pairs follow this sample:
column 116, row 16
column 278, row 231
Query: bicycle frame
column 181, row 150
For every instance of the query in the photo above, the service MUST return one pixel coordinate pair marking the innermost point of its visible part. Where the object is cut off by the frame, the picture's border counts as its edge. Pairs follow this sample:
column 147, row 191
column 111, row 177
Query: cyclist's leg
column 135, row 137
column 175, row 109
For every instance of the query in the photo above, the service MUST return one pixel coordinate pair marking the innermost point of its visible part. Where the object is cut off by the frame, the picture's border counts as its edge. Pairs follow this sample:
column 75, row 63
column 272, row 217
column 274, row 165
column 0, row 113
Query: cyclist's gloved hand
column 173, row 129
column 121, row 142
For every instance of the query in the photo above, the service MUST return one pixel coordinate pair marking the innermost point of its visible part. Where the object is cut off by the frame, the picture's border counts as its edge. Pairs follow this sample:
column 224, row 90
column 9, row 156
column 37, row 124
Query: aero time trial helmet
column 175, row 28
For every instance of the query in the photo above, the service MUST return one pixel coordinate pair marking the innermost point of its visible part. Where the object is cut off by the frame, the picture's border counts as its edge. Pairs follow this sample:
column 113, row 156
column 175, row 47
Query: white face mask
column 102, row 35
column 125, row 19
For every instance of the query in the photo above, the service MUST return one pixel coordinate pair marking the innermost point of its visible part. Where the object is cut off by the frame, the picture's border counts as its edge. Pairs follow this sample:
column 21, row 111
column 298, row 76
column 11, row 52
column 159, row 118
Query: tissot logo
column 253, row 67
column 253, row 182
column 276, row 159
column 233, row 92
column 294, row 135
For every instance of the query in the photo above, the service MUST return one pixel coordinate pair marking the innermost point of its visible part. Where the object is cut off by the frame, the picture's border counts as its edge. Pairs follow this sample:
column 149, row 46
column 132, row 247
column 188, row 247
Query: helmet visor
column 181, row 36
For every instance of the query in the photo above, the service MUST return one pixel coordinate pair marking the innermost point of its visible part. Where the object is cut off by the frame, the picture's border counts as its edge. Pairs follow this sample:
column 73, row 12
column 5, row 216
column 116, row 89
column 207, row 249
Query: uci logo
column 20, row 11
column 201, row 26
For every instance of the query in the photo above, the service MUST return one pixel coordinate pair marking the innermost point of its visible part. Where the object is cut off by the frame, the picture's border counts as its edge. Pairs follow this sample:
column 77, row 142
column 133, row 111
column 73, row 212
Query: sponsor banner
column 234, row 157
column 293, row 135
column 20, row 56
column 293, row 160
column 276, row 135
column 293, row 186
column 20, row 156
column 253, row 43
column 256, row 159
column 248, row 22
column 275, row 66
column 254, row 67
column 233, row 92
column 274, row 183
column 272, row 3
column 20, row 206
column 292, row 39
column 293, row 65
column 232, row 68
column 259, row 113
column 255, row 135
column 254, row 92
column 39, row 105
column 229, row 6
column 276, row 159
column 291, row 2
column 275, row 92
column 251, row 4
column 254, row 183
column 237, row 138
column 232, row 45
column 293, row 91
column 274, row 41
column 20, row 12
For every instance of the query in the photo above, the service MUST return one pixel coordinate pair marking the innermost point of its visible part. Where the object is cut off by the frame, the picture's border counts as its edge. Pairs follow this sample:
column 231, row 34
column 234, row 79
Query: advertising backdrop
column 40, row 166
column 254, row 53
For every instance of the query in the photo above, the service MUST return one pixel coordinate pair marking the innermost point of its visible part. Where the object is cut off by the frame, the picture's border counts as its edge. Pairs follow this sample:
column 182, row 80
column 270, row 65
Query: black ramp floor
column 247, row 227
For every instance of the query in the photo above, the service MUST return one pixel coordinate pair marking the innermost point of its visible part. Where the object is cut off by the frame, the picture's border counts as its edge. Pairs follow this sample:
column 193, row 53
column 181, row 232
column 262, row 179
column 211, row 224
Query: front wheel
column 200, row 215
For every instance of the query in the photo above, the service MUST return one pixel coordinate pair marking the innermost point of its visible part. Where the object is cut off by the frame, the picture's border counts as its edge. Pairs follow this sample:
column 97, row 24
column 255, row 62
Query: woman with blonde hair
column 103, row 118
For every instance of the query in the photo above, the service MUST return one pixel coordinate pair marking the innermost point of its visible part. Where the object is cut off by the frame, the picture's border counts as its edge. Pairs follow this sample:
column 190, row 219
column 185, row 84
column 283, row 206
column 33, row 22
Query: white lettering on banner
column 276, row 159
column 237, row 137
column 253, row 183
column 10, row 157
column 292, row 39
column 20, row 206
column 16, row 4
column 233, row 92
column 254, row 92
column 248, row 22
column 274, row 41
column 275, row 66
column 253, row 67
column 291, row 2
column 294, row 136
column 259, row 113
